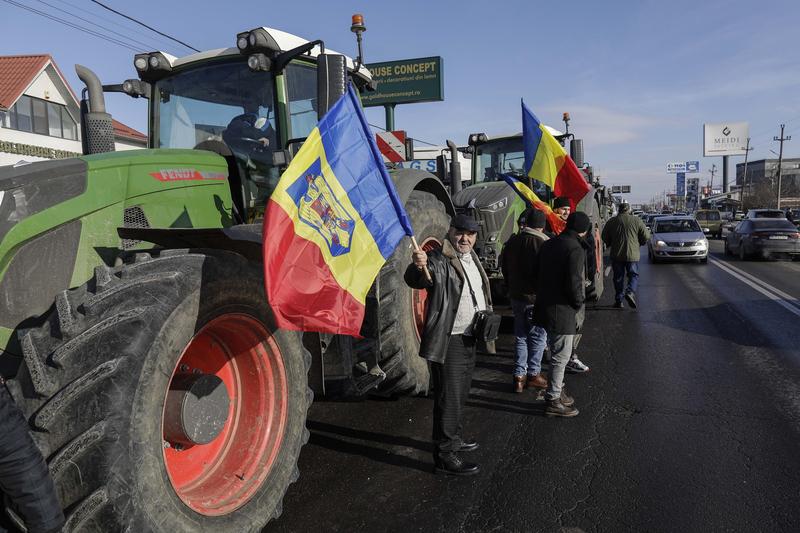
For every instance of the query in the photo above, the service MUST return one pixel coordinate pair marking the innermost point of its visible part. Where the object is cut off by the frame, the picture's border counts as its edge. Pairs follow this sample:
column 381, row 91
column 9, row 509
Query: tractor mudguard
column 244, row 239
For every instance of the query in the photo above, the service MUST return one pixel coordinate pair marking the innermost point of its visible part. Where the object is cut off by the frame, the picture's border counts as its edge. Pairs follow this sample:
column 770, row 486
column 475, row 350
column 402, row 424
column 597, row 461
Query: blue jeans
column 530, row 340
column 621, row 268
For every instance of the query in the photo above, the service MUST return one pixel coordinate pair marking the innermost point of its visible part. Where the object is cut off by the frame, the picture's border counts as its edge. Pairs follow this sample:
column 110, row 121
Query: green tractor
column 135, row 333
column 497, row 207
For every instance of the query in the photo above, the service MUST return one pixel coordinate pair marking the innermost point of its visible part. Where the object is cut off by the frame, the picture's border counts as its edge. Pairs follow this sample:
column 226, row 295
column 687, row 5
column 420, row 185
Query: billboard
column 405, row 81
column 677, row 166
column 680, row 184
column 725, row 138
column 683, row 166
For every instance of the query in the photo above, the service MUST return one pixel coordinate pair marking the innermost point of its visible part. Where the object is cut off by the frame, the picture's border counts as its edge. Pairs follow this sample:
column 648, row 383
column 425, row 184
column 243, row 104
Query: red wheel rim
column 219, row 477
column 419, row 298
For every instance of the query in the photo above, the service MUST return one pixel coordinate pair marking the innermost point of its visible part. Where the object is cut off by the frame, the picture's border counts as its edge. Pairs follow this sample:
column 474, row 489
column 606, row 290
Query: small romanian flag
column 331, row 224
column 557, row 224
column 546, row 160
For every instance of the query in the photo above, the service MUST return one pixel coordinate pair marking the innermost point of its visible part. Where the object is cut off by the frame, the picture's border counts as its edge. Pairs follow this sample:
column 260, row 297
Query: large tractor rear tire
column 165, row 399
column 402, row 310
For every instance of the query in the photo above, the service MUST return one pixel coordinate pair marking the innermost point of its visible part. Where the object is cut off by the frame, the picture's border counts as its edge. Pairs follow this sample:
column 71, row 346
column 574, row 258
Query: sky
column 639, row 78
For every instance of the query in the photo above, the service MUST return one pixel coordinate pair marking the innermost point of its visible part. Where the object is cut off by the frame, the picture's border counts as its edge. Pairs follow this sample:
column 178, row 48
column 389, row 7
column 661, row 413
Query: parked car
column 677, row 237
column 764, row 237
column 710, row 221
column 765, row 213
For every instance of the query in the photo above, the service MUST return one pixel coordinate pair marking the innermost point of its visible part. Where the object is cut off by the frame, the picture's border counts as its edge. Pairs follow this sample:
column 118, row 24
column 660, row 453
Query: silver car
column 677, row 237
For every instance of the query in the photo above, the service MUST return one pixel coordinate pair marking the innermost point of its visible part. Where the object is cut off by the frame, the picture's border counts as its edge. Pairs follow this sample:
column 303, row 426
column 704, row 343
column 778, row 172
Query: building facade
column 40, row 114
column 764, row 172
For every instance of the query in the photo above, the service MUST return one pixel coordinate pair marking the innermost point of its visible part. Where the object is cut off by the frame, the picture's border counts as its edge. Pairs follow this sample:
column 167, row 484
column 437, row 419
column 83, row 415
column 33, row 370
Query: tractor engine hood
column 490, row 196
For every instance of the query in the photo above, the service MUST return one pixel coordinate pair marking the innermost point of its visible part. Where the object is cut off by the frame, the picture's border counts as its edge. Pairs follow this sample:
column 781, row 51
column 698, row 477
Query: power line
column 146, row 45
column 145, row 25
column 115, row 23
column 72, row 25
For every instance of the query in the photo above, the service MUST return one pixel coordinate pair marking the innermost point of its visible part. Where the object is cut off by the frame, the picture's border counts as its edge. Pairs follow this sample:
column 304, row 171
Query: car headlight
column 661, row 244
column 500, row 204
column 702, row 243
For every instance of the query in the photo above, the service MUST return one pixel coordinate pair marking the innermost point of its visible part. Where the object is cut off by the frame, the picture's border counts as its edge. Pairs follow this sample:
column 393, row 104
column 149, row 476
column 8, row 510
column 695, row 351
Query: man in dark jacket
column 518, row 261
column 624, row 234
column 24, row 477
column 560, row 295
column 458, row 287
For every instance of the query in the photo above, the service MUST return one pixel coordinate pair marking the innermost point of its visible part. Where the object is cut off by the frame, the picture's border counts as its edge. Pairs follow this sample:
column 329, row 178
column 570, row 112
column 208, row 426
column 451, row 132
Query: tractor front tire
column 99, row 378
column 402, row 309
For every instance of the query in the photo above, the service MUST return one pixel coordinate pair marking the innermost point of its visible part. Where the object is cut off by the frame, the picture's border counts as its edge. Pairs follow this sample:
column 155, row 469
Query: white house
column 40, row 114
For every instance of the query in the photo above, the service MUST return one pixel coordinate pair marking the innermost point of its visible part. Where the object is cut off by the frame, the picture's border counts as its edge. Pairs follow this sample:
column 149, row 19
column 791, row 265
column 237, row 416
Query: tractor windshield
column 503, row 156
column 223, row 104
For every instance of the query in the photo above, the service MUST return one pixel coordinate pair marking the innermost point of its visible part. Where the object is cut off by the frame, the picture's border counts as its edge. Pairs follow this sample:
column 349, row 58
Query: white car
column 678, row 238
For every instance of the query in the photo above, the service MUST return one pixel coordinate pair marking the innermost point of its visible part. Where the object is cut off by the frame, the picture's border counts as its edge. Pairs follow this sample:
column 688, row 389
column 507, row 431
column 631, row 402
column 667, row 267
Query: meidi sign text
column 726, row 138
column 405, row 81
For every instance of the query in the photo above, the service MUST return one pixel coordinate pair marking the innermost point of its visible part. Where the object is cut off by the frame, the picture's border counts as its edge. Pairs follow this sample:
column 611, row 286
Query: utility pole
column 744, row 175
column 780, row 159
column 711, row 186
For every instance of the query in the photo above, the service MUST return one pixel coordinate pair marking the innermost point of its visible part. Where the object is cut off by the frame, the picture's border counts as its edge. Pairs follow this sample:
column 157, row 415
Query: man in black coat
column 518, row 263
column 560, row 295
column 458, row 287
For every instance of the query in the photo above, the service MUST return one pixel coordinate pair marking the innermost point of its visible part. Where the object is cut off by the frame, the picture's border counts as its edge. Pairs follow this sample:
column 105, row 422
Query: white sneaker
column 576, row 366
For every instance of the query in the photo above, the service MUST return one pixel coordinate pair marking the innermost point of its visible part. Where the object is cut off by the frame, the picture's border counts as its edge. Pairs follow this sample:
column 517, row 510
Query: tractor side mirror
column 331, row 81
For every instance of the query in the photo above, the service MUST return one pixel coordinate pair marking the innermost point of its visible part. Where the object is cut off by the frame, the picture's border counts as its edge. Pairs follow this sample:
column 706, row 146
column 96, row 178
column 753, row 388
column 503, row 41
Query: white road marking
column 761, row 282
column 766, row 289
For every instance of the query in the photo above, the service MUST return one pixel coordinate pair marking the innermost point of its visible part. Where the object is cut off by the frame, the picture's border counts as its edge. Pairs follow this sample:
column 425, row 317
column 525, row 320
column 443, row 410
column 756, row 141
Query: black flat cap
column 464, row 223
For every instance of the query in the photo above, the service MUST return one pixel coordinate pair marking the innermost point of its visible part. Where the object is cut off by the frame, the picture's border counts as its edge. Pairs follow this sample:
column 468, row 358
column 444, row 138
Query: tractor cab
column 254, row 104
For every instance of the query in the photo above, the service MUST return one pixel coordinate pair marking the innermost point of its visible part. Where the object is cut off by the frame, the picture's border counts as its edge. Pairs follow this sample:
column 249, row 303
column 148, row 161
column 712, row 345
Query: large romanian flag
column 330, row 225
column 546, row 160
column 557, row 224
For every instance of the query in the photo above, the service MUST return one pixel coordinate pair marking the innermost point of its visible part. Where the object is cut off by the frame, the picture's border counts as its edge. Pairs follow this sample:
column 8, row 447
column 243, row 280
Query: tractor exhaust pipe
column 455, row 169
column 97, row 129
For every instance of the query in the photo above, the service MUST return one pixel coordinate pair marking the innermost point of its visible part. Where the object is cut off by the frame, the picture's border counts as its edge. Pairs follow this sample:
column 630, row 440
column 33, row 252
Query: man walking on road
column 560, row 295
column 624, row 234
column 457, row 289
column 518, row 261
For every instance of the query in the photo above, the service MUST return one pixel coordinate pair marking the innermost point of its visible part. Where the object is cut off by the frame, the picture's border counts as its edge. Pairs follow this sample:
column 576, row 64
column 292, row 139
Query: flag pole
column 425, row 268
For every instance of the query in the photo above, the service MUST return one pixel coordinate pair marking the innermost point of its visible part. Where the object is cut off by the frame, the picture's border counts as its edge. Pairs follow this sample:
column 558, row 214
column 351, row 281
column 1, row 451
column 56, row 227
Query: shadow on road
column 380, row 455
column 392, row 440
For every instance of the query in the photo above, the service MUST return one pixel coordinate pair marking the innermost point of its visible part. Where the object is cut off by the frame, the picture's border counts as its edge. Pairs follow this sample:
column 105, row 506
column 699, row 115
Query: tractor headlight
column 140, row 63
column 241, row 43
column 152, row 66
column 498, row 205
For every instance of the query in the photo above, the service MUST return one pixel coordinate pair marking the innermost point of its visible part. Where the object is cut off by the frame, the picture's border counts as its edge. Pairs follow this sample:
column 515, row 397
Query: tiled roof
column 121, row 130
column 16, row 73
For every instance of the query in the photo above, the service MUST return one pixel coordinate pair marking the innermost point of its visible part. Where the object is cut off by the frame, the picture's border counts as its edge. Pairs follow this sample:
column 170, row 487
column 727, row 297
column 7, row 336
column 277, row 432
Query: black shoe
column 557, row 408
column 618, row 305
column 629, row 297
column 468, row 446
column 451, row 463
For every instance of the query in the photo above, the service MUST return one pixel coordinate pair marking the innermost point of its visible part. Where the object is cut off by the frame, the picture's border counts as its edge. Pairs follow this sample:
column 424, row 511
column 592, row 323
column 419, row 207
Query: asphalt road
column 690, row 421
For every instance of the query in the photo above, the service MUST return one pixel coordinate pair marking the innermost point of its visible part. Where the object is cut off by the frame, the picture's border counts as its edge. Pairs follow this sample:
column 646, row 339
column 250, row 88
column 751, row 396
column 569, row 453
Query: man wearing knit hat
column 518, row 263
column 562, row 208
column 560, row 295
